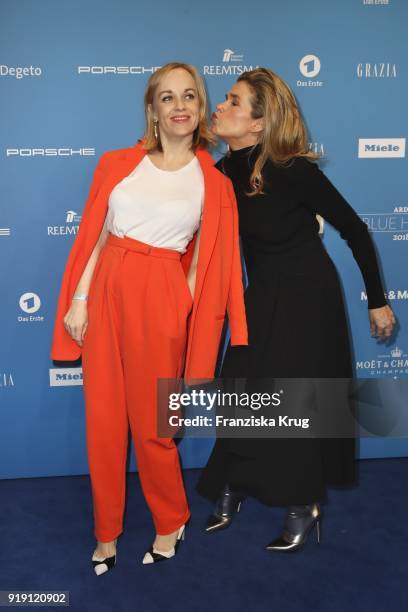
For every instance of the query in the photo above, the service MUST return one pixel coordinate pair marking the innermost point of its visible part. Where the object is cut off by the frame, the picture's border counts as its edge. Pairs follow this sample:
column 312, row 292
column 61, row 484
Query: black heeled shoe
column 300, row 520
column 228, row 503
column 101, row 566
column 154, row 556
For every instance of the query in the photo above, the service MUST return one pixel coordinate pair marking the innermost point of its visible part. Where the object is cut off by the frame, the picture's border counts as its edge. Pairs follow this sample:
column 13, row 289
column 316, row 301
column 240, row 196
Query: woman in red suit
column 153, row 269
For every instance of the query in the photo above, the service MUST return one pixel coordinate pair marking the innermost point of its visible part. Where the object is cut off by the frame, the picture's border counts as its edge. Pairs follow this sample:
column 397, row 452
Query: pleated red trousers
column 138, row 305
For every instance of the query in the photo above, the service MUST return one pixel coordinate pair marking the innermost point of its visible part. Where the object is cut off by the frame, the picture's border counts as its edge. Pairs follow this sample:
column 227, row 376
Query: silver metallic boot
column 300, row 520
column 228, row 503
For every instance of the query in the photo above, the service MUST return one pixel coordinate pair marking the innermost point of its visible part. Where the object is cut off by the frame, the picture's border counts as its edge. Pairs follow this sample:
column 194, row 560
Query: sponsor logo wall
column 65, row 107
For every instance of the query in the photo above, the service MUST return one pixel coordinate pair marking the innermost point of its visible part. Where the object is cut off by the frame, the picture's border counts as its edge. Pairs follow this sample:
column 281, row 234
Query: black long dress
column 296, row 321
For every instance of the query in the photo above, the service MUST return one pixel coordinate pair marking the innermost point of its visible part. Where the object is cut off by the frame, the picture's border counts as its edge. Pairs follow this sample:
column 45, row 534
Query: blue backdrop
column 72, row 76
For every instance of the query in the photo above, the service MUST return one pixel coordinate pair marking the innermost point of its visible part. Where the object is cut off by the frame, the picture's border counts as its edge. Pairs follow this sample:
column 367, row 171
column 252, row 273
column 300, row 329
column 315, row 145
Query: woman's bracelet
column 80, row 296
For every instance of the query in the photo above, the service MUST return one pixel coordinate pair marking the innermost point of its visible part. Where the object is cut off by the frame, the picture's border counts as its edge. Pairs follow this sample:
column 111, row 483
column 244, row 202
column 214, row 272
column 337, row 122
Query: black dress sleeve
column 320, row 196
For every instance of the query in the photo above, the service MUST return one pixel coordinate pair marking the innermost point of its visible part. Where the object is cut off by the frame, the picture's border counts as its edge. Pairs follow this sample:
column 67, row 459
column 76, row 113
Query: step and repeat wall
column 72, row 77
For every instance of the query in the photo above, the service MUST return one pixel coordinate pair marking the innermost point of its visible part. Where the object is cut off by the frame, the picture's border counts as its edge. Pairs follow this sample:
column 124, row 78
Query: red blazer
column 219, row 276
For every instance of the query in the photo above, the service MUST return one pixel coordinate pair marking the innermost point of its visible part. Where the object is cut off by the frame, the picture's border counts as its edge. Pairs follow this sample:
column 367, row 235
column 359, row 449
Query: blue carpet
column 361, row 564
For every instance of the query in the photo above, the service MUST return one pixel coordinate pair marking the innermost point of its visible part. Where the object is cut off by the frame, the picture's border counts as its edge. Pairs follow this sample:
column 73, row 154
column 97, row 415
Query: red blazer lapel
column 120, row 167
column 211, row 217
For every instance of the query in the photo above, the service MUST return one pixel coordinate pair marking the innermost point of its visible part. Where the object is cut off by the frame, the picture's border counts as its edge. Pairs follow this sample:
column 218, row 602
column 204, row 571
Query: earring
column 156, row 133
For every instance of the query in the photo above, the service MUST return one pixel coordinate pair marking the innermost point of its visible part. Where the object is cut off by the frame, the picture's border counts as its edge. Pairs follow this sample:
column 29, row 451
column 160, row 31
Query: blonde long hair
column 284, row 135
column 202, row 136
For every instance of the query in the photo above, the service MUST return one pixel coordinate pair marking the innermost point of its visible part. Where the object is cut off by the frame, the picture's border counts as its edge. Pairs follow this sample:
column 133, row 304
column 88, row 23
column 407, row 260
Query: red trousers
column 138, row 305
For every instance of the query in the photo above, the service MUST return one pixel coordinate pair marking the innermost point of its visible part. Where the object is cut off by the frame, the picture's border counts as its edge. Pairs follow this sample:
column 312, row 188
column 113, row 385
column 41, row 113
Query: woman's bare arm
column 191, row 276
column 86, row 278
column 76, row 319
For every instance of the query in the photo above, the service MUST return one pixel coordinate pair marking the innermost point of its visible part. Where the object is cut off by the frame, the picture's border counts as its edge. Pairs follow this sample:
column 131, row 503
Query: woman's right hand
column 382, row 322
column 76, row 320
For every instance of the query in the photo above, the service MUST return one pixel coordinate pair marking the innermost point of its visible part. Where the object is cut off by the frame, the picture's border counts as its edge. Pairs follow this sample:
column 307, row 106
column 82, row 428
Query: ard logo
column 30, row 302
column 310, row 66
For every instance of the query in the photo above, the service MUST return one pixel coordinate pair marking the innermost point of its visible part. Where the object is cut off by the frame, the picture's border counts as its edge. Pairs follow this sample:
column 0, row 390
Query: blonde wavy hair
column 202, row 136
column 284, row 135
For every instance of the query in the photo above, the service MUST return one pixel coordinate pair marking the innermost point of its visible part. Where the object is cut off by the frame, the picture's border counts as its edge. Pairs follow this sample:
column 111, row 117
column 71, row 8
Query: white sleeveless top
column 159, row 207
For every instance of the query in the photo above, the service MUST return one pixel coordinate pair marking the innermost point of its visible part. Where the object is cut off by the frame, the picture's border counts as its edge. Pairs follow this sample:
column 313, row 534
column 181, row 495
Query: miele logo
column 20, row 72
column 60, row 152
column 117, row 69
column 377, row 71
column 381, row 147
column 65, row 377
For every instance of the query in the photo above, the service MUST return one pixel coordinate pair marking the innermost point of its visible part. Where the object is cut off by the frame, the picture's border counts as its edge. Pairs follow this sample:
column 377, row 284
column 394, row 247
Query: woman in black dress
column 295, row 312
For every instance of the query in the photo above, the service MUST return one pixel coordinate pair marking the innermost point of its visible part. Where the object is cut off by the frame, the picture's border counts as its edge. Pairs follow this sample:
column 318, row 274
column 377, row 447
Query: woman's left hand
column 382, row 322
